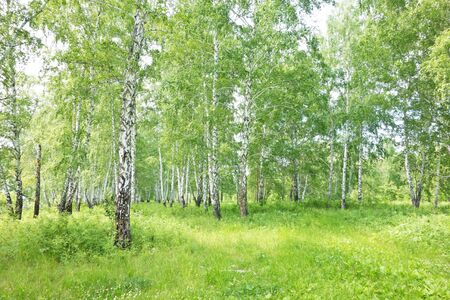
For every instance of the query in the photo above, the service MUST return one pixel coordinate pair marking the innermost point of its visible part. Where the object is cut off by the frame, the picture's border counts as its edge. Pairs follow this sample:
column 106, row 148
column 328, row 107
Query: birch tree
column 127, row 123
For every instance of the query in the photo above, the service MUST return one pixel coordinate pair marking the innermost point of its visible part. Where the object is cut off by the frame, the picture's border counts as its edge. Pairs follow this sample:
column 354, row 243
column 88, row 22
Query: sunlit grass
column 280, row 251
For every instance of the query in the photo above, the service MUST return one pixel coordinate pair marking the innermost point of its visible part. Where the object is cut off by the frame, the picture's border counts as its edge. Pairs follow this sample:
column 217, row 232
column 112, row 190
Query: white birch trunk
column 205, row 186
column 133, row 160
column 438, row 178
column 305, row 186
column 72, row 165
column 186, row 189
column 127, row 122
column 244, row 147
column 345, row 156
column 360, row 173
column 331, row 171
column 296, row 183
column 9, row 204
column 114, row 150
column 161, row 175
column 213, row 143
column 172, row 185
column 420, row 181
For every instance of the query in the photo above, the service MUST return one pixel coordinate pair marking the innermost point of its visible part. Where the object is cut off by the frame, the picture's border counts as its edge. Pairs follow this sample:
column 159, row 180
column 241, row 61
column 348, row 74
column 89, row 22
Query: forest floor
column 281, row 251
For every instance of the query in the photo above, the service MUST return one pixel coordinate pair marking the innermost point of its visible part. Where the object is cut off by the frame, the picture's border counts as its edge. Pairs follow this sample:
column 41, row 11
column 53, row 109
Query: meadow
column 281, row 251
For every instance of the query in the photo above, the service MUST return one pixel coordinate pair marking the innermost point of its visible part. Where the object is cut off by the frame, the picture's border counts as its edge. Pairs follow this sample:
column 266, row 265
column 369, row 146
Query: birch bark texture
column 345, row 156
column 126, row 131
column 37, row 198
column 213, row 138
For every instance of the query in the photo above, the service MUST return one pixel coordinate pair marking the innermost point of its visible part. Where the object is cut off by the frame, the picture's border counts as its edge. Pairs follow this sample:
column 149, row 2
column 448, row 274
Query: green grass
column 281, row 251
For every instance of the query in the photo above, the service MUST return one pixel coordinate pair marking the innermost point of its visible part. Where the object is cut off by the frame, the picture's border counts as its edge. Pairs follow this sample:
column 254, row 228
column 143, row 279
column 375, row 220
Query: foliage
column 290, row 250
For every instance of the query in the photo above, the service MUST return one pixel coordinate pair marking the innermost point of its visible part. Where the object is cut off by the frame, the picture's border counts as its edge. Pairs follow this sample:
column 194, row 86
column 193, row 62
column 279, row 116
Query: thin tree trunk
column 78, row 196
column 157, row 193
column 409, row 179
column 68, row 183
column 420, row 181
column 172, row 185
column 296, row 183
column 305, row 186
column 186, row 190
column 127, row 122
column 350, row 168
column 114, row 149
column 180, row 181
column 331, row 171
column 360, row 173
column 9, row 203
column 17, row 152
column 106, row 180
column 438, row 178
column 260, row 189
column 212, row 153
column 72, row 192
column 344, row 175
column 37, row 198
column 161, row 176
column 260, row 193
column 345, row 157
column 198, row 175
column 166, row 189
column 205, row 186
column 133, row 159
column 243, row 160
column 18, row 174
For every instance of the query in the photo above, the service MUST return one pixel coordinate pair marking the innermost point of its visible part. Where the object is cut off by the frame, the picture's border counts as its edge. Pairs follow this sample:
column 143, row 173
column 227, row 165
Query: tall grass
column 281, row 251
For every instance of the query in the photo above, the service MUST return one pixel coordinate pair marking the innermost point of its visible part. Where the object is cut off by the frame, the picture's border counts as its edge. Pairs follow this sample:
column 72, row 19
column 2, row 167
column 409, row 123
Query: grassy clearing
column 282, row 251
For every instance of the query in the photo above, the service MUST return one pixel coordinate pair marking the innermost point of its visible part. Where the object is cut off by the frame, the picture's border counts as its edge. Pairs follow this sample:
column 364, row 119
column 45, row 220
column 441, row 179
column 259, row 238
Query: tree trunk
column 37, row 199
column 18, row 175
column 186, row 189
column 9, row 204
column 409, row 179
column 212, row 153
column 114, row 149
column 17, row 152
column 345, row 158
column 172, row 185
column 420, row 181
column 344, row 175
column 350, row 168
column 127, row 122
column 161, row 176
column 438, row 178
column 180, row 181
column 78, row 197
column 331, row 171
column 260, row 193
column 360, row 173
column 72, row 192
column 68, row 183
column 205, row 185
column 245, row 142
column 296, row 183
column 133, row 159
column 260, row 189
column 305, row 186
column 198, row 176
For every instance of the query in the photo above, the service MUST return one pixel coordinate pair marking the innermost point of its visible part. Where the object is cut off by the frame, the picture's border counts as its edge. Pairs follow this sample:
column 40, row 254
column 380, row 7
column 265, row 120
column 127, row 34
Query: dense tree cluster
column 194, row 102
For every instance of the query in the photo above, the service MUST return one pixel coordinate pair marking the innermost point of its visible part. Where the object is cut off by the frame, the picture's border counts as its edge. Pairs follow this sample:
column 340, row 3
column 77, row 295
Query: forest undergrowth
column 281, row 251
